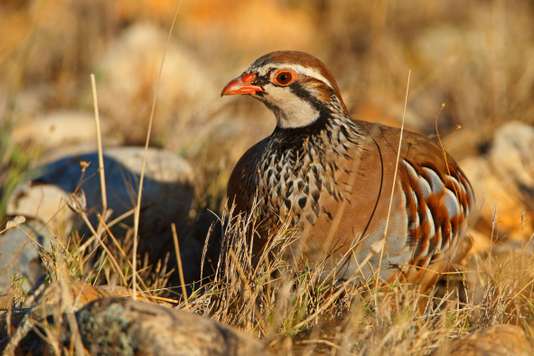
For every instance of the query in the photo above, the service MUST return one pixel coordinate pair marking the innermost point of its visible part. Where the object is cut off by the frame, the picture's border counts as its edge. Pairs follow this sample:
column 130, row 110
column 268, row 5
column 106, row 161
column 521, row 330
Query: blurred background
column 472, row 81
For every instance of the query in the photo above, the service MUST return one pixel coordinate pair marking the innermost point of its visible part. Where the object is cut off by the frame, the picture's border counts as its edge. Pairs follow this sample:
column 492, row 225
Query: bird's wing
column 437, row 195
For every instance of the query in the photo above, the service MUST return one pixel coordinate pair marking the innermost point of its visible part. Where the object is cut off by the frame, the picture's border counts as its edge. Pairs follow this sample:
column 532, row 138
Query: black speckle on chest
column 294, row 174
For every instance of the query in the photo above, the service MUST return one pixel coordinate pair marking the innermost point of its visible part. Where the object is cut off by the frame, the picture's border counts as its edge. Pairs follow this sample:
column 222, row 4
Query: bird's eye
column 284, row 78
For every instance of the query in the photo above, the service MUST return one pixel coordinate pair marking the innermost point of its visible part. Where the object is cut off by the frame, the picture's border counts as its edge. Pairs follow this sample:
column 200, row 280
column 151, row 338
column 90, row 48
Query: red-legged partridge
column 330, row 177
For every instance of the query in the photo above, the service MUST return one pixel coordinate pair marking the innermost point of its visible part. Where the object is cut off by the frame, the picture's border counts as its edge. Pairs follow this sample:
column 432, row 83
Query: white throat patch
column 293, row 111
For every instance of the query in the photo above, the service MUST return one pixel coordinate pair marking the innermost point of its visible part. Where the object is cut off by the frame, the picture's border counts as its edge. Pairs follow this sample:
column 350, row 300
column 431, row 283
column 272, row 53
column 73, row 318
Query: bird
column 341, row 183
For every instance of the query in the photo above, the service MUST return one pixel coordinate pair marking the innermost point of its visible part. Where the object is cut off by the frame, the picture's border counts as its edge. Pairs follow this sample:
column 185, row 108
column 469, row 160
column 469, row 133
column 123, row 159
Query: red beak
column 242, row 85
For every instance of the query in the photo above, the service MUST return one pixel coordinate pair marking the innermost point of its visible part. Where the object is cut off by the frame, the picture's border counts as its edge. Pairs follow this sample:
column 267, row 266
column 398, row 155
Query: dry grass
column 297, row 308
column 476, row 58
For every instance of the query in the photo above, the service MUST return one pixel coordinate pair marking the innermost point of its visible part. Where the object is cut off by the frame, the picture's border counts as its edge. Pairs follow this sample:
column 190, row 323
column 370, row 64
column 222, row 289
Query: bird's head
column 296, row 86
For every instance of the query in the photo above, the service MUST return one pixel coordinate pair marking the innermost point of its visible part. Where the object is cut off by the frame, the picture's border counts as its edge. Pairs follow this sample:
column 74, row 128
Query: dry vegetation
column 473, row 71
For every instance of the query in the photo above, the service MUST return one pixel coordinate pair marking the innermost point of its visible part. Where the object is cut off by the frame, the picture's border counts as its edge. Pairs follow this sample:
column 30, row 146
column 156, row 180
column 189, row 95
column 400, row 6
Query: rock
column 28, row 104
column 48, row 301
column 129, row 70
column 167, row 193
column 512, row 158
column 20, row 249
column 504, row 183
column 59, row 129
column 124, row 326
column 498, row 340
column 167, row 196
column 499, row 209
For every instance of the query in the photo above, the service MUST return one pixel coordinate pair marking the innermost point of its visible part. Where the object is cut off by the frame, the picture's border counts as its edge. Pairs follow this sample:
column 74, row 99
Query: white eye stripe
column 310, row 72
column 307, row 71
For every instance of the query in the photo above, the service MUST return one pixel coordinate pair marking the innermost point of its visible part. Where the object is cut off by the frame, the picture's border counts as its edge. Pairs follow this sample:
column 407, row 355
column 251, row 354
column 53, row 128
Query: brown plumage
column 330, row 177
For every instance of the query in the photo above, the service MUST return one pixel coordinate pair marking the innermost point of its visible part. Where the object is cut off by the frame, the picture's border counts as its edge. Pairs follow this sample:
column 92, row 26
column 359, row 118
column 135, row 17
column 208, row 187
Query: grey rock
column 20, row 250
column 513, row 160
column 58, row 129
column 122, row 326
column 503, row 181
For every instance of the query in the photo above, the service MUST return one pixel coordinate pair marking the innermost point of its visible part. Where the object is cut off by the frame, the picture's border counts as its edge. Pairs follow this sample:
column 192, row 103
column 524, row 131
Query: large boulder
column 167, row 190
column 63, row 192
